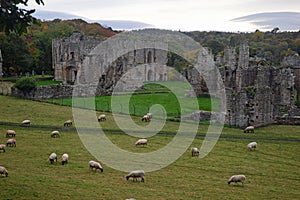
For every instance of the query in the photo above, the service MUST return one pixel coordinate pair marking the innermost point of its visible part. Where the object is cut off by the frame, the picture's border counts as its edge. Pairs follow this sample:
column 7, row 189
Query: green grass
column 140, row 103
column 272, row 170
column 48, row 82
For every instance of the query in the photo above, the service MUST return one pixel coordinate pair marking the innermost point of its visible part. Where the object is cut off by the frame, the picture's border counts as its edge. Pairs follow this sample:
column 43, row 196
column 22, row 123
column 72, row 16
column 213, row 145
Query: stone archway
column 150, row 75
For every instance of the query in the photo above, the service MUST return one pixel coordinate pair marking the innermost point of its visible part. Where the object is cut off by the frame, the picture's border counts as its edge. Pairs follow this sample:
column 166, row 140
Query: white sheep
column 249, row 129
column 3, row 171
column 26, row 122
column 252, row 145
column 11, row 142
column 55, row 134
column 141, row 142
column 95, row 165
column 10, row 133
column 102, row 117
column 146, row 118
column 150, row 115
column 68, row 123
column 2, row 147
column 237, row 178
column 64, row 159
column 52, row 157
column 195, row 151
column 135, row 175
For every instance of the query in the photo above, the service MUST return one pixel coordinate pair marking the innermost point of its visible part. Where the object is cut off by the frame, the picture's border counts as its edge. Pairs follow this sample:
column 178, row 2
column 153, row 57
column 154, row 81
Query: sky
column 186, row 15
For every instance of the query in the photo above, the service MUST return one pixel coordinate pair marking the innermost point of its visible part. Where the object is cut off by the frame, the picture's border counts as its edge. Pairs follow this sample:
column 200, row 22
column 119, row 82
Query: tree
column 16, row 19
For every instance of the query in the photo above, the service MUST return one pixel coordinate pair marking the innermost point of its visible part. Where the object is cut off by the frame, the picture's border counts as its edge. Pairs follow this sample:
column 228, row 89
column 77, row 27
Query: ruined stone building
column 256, row 93
column 69, row 54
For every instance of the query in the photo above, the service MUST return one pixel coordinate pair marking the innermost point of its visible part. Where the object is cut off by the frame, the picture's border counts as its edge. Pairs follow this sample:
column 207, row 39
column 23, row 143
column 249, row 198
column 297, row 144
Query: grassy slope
column 272, row 171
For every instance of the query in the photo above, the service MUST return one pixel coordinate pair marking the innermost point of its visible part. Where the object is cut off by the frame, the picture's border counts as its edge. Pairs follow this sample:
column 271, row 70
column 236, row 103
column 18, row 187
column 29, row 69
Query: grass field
column 142, row 100
column 272, row 170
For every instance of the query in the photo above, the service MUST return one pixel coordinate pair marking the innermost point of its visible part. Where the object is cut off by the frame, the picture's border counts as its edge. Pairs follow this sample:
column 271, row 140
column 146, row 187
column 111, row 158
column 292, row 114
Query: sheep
column 2, row 147
column 237, row 178
column 150, row 115
column 10, row 133
column 26, row 122
column 251, row 145
column 135, row 175
column 249, row 129
column 52, row 157
column 141, row 142
column 3, row 171
column 95, row 165
column 146, row 118
column 195, row 151
column 68, row 122
column 102, row 117
column 11, row 143
column 64, row 159
column 55, row 134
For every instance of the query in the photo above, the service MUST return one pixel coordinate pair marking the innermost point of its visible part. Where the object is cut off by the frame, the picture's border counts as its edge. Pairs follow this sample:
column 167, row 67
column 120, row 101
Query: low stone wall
column 288, row 120
column 59, row 91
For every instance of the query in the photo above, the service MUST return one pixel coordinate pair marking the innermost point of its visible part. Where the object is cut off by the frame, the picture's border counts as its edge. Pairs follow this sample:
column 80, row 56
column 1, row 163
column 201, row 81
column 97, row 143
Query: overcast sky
column 185, row 15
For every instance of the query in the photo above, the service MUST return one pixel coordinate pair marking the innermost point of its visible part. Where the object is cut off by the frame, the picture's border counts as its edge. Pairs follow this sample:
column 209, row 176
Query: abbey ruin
column 69, row 54
column 256, row 93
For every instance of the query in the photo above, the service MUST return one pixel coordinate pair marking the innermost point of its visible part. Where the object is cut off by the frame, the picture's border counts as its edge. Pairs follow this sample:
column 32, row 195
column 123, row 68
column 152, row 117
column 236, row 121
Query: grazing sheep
column 52, row 157
column 251, row 145
column 95, row 165
column 64, row 159
column 136, row 174
column 10, row 133
column 249, row 129
column 11, row 143
column 102, row 117
column 195, row 151
column 2, row 147
column 3, row 171
column 237, row 178
column 68, row 122
column 142, row 142
column 55, row 134
column 146, row 118
column 150, row 115
column 26, row 122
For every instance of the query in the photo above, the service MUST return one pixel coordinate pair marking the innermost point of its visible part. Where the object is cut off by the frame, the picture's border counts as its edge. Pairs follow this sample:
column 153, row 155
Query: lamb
column 64, row 159
column 11, row 143
column 135, row 175
column 2, row 147
column 3, row 171
column 68, row 123
column 55, row 134
column 52, row 157
column 249, row 129
column 26, row 122
column 95, row 165
column 195, row 151
column 251, row 145
column 146, row 118
column 10, row 133
column 237, row 178
column 102, row 117
column 141, row 142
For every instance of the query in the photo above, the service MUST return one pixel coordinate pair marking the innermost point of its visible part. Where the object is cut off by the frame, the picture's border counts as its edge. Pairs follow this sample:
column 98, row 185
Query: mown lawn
column 162, row 93
column 272, row 170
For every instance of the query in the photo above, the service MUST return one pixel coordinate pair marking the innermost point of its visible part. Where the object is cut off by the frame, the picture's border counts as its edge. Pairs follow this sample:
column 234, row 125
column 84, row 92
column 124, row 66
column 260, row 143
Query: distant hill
column 285, row 21
column 114, row 24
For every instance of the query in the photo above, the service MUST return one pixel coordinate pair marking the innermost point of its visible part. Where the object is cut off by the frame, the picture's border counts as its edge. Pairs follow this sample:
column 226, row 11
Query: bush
column 25, row 84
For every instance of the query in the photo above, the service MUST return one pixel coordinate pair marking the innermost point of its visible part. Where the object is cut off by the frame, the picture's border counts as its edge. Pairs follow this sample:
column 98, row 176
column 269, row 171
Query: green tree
column 16, row 19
